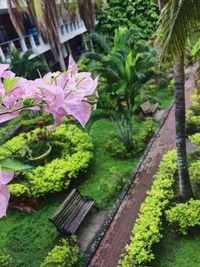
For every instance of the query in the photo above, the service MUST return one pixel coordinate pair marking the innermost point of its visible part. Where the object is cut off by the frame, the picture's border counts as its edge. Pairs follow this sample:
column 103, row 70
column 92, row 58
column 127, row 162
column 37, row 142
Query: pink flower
column 4, row 73
column 60, row 94
column 5, row 177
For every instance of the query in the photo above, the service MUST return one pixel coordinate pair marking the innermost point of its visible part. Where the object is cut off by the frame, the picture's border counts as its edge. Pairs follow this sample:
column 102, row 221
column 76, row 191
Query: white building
column 71, row 37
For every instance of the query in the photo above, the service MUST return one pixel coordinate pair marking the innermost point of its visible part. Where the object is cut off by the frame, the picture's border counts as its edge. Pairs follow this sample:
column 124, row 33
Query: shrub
column 195, row 139
column 18, row 190
column 195, row 101
column 193, row 114
column 140, row 141
column 69, row 143
column 116, row 148
column 192, row 122
column 184, row 215
column 147, row 229
column 65, row 254
column 144, row 14
column 5, row 259
column 194, row 171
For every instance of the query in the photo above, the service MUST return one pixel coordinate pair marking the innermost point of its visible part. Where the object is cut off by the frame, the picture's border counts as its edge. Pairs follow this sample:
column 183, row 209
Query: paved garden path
column 118, row 234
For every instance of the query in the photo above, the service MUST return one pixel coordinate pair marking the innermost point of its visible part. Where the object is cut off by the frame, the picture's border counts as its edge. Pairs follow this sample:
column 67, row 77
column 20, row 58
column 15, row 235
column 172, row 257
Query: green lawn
column 164, row 98
column 29, row 237
column 178, row 252
column 101, row 183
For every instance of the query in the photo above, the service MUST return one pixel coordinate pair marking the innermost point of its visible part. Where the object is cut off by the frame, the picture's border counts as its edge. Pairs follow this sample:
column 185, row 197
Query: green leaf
column 10, row 82
column 14, row 165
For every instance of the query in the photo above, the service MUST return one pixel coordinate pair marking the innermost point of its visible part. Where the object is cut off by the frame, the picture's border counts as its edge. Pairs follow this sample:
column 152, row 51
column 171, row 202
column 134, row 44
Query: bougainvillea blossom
column 60, row 94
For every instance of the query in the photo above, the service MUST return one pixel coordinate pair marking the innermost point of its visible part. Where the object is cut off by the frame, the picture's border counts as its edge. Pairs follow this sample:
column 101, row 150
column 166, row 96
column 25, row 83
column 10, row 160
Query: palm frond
column 17, row 12
column 101, row 40
column 179, row 19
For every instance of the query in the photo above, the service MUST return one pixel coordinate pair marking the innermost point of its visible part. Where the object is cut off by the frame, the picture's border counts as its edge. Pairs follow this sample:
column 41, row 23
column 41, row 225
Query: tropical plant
column 19, row 64
column 45, row 16
column 179, row 19
column 126, row 66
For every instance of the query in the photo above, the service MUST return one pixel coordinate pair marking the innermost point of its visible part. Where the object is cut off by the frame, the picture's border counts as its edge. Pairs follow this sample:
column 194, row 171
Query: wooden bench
column 148, row 108
column 71, row 213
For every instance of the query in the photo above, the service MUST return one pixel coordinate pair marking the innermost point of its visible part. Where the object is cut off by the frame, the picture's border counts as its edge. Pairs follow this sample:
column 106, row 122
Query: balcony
column 35, row 42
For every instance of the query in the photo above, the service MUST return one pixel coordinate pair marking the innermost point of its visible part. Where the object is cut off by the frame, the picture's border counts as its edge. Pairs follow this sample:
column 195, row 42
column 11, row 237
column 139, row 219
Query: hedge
column 75, row 152
column 193, row 114
column 148, row 226
column 18, row 190
column 5, row 259
column 184, row 215
column 65, row 254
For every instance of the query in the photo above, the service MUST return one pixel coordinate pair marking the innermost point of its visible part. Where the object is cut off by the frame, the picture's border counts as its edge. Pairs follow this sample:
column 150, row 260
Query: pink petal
column 4, row 199
column 3, row 67
column 6, row 176
column 7, row 117
column 81, row 112
column 72, row 67
column 8, row 74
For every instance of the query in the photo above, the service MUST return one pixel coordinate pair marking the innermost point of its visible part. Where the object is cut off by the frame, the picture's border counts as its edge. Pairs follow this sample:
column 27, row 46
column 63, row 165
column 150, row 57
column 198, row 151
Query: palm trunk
column 61, row 61
column 179, row 87
column 161, row 4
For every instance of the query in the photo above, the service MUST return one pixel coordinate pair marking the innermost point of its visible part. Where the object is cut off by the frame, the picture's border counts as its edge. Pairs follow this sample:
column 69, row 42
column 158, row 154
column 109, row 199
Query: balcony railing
column 35, row 43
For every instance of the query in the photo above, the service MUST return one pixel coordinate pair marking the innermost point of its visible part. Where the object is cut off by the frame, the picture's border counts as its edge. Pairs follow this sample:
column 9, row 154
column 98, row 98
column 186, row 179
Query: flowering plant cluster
column 60, row 94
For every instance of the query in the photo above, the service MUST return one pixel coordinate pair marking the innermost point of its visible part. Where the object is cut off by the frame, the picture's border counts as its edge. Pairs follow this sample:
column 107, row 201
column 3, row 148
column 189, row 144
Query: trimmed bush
column 5, row 259
column 148, row 226
column 195, row 139
column 192, row 122
column 116, row 148
column 194, row 171
column 193, row 114
column 71, row 154
column 18, row 190
column 184, row 215
column 140, row 141
column 65, row 254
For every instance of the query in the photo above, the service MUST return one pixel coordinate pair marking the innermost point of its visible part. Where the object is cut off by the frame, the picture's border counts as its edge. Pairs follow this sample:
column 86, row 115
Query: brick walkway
column 119, row 231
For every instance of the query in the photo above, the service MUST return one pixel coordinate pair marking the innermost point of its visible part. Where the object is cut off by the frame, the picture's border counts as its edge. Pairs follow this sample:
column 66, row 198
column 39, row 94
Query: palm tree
column 179, row 19
column 126, row 65
column 18, row 64
column 44, row 15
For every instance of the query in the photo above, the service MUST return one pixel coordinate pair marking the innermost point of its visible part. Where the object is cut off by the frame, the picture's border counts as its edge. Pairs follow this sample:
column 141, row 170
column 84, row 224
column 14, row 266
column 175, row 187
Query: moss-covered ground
column 176, row 251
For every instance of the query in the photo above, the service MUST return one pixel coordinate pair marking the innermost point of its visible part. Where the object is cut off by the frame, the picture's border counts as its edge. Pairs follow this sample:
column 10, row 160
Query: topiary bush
column 148, row 226
column 71, row 153
column 65, row 254
column 184, row 215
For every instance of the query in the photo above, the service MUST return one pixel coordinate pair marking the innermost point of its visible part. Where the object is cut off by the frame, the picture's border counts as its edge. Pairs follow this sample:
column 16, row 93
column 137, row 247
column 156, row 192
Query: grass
column 164, row 98
column 178, row 252
column 29, row 237
column 103, row 181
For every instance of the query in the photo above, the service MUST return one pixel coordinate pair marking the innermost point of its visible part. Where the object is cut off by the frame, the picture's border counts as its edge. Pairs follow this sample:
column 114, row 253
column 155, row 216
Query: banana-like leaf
column 14, row 165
